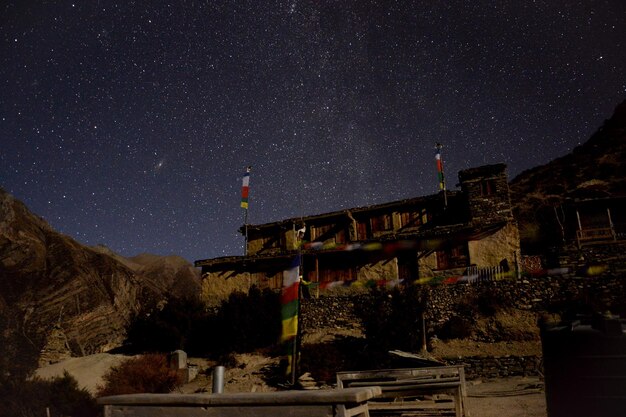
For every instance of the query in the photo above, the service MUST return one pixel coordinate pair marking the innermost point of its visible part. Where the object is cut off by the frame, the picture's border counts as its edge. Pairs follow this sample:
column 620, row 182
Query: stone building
column 411, row 239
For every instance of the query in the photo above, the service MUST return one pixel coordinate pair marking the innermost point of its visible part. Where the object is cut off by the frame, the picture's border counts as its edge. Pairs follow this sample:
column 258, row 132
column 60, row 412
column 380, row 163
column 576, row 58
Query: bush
column 484, row 302
column 61, row 396
column 456, row 327
column 323, row 360
column 148, row 373
column 247, row 322
column 392, row 320
column 165, row 329
column 243, row 323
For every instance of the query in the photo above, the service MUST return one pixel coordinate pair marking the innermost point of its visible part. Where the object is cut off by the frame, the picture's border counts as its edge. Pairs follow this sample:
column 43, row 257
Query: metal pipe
column 218, row 380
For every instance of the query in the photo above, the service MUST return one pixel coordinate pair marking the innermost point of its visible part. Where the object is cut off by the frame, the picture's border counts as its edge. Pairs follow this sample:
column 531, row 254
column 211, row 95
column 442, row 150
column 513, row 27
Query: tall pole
column 294, row 352
column 298, row 338
column 245, row 225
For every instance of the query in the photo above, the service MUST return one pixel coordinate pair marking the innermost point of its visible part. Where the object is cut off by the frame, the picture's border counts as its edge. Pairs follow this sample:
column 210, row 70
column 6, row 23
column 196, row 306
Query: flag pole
column 290, row 301
column 245, row 224
column 440, row 174
column 294, row 355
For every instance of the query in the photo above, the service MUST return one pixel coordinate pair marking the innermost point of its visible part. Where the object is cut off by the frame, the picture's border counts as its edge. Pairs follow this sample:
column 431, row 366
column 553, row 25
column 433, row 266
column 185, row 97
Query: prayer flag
column 245, row 188
column 440, row 177
column 290, row 300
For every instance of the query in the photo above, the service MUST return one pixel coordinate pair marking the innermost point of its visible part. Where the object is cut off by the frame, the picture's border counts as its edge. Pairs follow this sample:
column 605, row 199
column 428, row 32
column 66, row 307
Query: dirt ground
column 465, row 348
column 509, row 397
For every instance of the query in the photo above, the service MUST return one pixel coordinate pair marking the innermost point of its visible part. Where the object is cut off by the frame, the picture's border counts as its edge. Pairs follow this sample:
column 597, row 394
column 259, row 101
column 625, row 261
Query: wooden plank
column 412, row 381
column 345, row 396
column 422, row 387
column 387, row 374
column 198, row 411
column 420, row 405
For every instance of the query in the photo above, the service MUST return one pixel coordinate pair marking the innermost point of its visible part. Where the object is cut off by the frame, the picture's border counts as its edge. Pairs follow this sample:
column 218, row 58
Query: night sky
column 130, row 123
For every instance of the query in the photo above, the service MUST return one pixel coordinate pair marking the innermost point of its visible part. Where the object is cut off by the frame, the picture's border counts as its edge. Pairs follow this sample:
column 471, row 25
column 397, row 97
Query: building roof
column 423, row 239
column 481, row 172
column 355, row 211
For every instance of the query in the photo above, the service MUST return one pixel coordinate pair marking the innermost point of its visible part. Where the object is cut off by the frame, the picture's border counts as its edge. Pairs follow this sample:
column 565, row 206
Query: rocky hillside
column 595, row 169
column 59, row 298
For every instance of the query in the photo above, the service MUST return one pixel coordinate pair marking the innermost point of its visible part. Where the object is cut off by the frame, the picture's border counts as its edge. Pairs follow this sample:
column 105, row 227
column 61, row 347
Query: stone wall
column 487, row 205
column 338, row 311
column 217, row 286
column 492, row 250
column 498, row 367
column 536, row 294
column 606, row 259
column 385, row 269
column 533, row 294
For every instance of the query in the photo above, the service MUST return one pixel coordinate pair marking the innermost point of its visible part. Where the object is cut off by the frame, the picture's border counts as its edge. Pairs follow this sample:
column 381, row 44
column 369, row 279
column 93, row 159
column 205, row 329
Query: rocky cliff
column 59, row 298
column 596, row 168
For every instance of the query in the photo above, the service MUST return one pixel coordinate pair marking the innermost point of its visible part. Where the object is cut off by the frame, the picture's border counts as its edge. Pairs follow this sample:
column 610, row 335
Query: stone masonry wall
column 531, row 293
column 534, row 294
column 481, row 367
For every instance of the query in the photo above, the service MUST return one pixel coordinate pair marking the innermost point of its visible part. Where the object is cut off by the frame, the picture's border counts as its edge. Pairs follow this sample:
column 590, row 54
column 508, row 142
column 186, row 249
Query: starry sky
column 130, row 123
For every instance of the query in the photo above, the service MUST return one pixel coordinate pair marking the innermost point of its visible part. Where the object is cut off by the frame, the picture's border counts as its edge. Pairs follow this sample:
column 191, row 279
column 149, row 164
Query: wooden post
column 317, row 276
column 423, row 320
column 608, row 212
column 580, row 228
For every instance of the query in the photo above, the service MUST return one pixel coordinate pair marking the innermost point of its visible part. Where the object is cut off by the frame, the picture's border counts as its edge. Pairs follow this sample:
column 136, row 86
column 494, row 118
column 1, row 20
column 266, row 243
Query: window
column 410, row 219
column 414, row 218
column 320, row 232
column 329, row 232
column 381, row 223
column 362, row 230
column 453, row 257
column 487, row 187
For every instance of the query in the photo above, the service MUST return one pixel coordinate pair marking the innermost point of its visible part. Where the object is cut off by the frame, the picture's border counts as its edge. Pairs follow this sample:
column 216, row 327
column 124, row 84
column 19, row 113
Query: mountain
column 596, row 168
column 59, row 298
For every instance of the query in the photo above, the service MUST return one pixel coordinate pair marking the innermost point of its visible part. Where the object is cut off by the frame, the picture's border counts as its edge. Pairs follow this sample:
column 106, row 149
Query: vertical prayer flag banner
column 245, row 189
column 290, row 344
column 289, row 300
column 442, row 183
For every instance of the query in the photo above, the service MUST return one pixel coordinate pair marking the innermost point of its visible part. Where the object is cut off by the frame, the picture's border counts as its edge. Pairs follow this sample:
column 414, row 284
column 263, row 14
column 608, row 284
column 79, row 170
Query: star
column 154, row 112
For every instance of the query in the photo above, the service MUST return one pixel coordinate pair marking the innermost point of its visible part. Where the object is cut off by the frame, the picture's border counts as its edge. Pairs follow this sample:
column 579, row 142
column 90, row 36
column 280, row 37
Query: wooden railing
column 597, row 235
column 487, row 273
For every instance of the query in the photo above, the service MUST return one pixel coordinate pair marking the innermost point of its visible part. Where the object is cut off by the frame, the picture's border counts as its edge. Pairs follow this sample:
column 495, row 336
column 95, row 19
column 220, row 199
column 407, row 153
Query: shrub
column 243, row 323
column 392, row 320
column 323, row 360
column 165, row 329
column 148, row 373
column 246, row 322
column 484, row 302
column 456, row 327
column 60, row 395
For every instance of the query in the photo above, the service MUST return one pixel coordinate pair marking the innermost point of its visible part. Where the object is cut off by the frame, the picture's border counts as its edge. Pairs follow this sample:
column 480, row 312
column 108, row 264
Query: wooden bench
column 406, row 391
column 319, row 403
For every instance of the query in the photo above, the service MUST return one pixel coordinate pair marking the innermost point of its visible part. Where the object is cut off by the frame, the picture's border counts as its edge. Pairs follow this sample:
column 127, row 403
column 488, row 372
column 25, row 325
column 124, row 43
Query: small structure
column 404, row 390
column 598, row 220
column 435, row 235
column 178, row 361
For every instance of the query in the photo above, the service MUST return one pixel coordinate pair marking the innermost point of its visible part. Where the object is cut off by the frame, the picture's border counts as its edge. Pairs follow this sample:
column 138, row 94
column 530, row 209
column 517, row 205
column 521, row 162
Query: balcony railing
column 489, row 273
column 597, row 235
